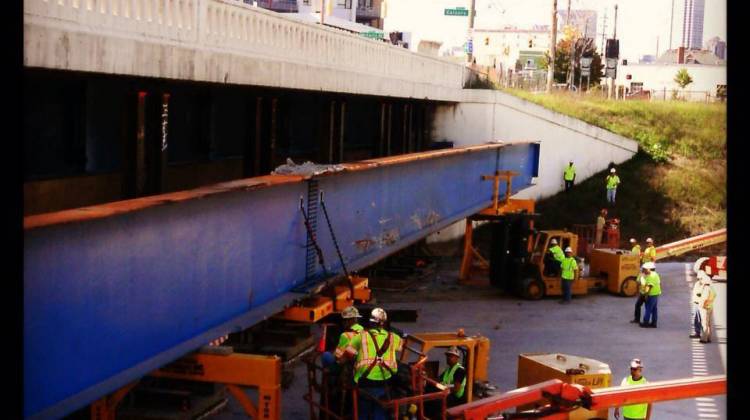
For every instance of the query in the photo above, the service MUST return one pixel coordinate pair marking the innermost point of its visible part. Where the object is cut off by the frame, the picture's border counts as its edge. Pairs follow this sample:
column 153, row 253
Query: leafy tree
column 565, row 47
column 682, row 78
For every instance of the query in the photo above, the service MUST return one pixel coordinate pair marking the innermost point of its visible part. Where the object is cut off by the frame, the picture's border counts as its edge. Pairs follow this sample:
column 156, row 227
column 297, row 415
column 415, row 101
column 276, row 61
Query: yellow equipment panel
column 615, row 265
column 534, row 368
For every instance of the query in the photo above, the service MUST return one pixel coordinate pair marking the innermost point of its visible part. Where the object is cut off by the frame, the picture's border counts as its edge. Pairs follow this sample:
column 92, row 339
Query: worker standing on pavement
column 704, row 295
column 649, row 254
column 653, row 291
column 569, row 267
column 454, row 376
column 636, row 248
column 375, row 364
column 600, row 222
column 612, row 182
column 555, row 258
column 569, row 176
column 642, row 295
column 634, row 411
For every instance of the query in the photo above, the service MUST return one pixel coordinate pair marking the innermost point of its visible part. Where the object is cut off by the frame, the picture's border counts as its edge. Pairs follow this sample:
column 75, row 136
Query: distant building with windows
column 717, row 47
column 692, row 24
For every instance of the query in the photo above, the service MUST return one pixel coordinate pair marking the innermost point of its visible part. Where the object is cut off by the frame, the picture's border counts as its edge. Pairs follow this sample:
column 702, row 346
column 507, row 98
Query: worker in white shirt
column 703, row 299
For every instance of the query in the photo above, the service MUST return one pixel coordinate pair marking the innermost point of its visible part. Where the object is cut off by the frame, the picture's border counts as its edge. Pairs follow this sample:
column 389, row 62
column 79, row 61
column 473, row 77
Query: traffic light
column 612, row 49
column 487, row 41
column 531, row 43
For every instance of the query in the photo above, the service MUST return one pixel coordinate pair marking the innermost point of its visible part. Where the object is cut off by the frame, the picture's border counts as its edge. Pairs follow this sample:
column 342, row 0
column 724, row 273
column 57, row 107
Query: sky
column 639, row 22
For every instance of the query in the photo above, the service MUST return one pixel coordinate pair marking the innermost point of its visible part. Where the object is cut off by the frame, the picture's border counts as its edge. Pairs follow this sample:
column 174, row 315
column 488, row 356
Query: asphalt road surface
column 595, row 326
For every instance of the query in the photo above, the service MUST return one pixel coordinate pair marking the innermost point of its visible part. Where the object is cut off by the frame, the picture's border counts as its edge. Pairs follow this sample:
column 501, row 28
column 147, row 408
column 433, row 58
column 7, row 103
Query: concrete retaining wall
column 485, row 115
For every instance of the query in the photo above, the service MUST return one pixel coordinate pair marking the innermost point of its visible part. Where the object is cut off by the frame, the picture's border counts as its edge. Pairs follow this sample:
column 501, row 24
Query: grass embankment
column 673, row 188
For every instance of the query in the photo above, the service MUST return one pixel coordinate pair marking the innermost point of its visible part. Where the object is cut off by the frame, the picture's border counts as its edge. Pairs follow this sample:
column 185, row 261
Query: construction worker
column 454, row 376
column 634, row 411
column 636, row 250
column 569, row 176
column 375, row 363
column 704, row 295
column 351, row 328
column 649, row 254
column 642, row 295
column 600, row 222
column 612, row 182
column 569, row 267
column 653, row 291
column 555, row 258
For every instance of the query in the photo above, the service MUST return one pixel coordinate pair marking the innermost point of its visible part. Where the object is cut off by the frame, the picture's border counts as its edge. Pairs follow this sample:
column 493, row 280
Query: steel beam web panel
column 109, row 298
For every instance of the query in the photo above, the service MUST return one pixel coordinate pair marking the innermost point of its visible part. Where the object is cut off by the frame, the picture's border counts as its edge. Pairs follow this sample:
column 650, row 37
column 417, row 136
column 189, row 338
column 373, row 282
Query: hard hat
column 568, row 249
column 636, row 363
column 454, row 351
column 649, row 265
column 650, row 240
column 604, row 211
column 553, row 241
column 632, row 240
column 350, row 312
column 612, row 170
column 378, row 315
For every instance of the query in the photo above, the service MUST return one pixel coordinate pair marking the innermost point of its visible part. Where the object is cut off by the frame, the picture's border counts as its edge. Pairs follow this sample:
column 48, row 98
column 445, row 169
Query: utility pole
column 322, row 11
column 470, row 53
column 551, row 65
column 567, row 17
column 615, row 34
column 604, row 30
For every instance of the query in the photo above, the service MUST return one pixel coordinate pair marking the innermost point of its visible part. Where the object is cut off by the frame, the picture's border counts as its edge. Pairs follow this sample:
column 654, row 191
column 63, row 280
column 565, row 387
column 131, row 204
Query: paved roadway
column 595, row 326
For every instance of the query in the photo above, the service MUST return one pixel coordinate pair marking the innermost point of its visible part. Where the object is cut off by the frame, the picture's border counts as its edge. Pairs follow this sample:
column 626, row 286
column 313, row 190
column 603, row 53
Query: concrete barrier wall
column 226, row 41
column 485, row 115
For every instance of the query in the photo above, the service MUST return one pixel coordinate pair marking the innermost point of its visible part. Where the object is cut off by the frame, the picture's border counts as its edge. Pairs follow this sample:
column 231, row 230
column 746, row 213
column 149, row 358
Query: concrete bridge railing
column 230, row 26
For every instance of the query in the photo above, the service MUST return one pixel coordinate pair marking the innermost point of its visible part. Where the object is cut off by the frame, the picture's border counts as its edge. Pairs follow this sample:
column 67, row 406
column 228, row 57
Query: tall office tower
column 692, row 24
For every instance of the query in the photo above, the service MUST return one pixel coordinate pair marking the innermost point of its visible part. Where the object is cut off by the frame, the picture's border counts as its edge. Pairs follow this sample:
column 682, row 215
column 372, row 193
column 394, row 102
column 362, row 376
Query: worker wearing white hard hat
column 569, row 268
column 704, row 296
column 554, row 259
column 375, row 363
column 636, row 247
column 612, row 182
column 634, row 411
column 652, row 289
column 642, row 296
column 649, row 254
column 454, row 377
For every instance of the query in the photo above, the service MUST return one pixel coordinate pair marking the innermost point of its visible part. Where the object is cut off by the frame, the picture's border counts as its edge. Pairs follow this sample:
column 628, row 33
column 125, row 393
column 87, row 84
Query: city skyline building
column 692, row 24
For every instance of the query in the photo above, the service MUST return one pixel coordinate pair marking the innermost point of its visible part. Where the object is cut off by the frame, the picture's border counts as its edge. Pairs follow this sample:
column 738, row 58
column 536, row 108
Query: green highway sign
column 458, row 11
column 372, row 34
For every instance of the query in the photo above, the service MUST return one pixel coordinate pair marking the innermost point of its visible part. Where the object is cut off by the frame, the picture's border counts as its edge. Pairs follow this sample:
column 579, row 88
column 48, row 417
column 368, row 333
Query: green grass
column 674, row 187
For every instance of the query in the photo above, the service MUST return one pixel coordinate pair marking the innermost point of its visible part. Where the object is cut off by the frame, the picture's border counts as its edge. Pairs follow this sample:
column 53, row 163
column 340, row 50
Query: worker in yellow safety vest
column 351, row 328
column 568, row 267
column 704, row 295
column 636, row 248
column 554, row 259
column 653, row 291
column 375, row 363
column 612, row 182
column 634, row 411
column 569, row 176
column 454, row 376
column 642, row 294
column 649, row 254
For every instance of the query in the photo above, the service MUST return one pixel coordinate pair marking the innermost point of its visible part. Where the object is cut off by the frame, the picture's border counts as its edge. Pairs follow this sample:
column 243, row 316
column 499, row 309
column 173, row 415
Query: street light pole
column 551, row 65
column 470, row 53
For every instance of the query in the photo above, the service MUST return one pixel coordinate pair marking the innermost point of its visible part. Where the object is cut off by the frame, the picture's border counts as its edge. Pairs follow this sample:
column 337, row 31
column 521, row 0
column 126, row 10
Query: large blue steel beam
column 112, row 292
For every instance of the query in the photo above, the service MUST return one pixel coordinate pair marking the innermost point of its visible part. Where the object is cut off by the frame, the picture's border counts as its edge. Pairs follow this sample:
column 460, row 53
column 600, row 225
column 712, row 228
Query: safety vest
column 612, row 181
column 569, row 173
column 654, row 280
column 447, row 379
column 380, row 367
column 557, row 252
column 635, row 411
column 636, row 250
column 649, row 254
column 569, row 267
column 345, row 338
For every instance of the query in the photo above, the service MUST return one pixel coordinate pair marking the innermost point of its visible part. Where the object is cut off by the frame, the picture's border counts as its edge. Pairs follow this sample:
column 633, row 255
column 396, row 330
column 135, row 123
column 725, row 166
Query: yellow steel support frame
column 236, row 371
